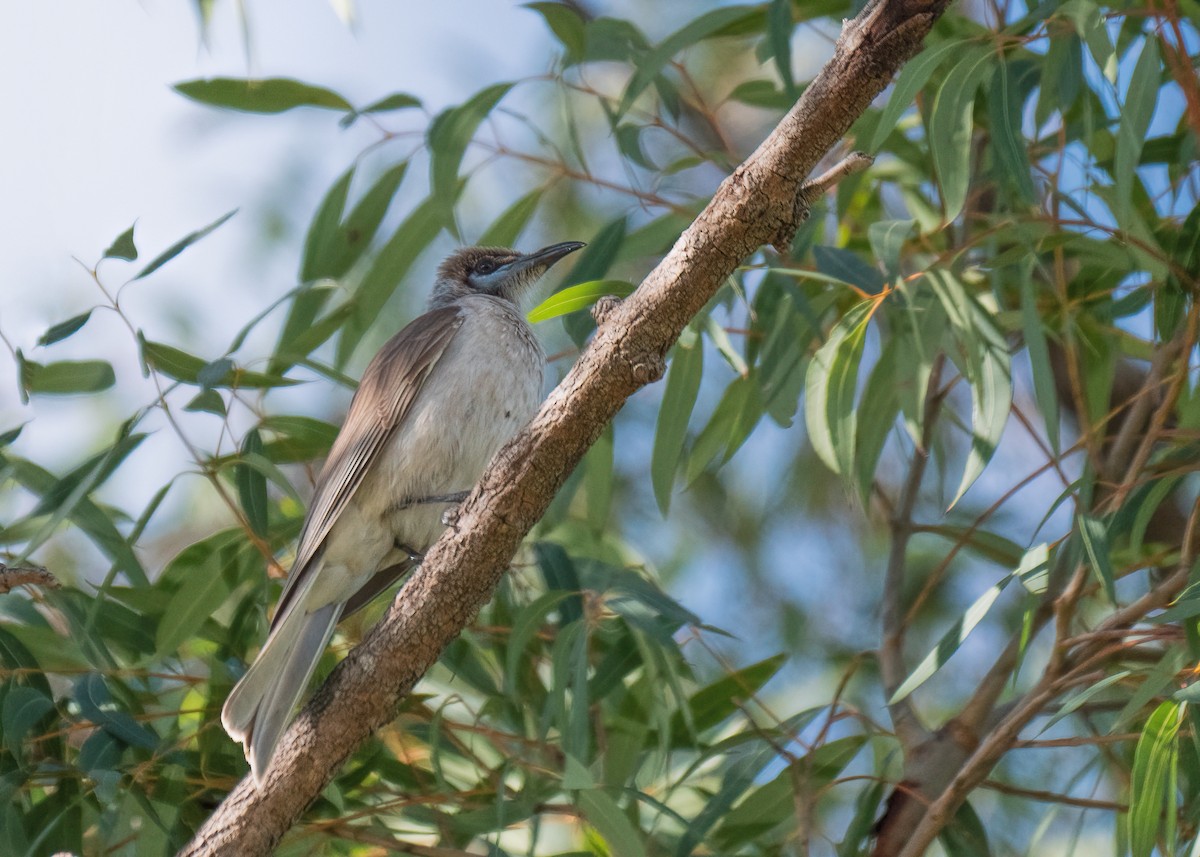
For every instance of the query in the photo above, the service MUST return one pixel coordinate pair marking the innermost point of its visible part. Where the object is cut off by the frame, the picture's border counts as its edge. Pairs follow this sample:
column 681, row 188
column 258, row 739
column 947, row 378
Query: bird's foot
column 450, row 516
column 414, row 557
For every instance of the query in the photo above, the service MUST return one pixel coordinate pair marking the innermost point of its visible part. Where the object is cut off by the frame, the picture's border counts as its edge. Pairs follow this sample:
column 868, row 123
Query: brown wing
column 388, row 388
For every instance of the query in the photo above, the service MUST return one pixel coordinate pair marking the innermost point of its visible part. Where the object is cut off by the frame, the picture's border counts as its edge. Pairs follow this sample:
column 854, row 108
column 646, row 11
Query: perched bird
column 434, row 405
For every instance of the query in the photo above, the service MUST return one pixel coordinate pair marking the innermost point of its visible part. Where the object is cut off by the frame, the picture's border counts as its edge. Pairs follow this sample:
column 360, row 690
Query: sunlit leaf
column 576, row 298
column 1152, row 781
column 830, row 385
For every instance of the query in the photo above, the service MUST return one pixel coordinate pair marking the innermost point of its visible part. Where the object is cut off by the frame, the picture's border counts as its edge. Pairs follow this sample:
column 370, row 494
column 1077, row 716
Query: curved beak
column 547, row 256
column 523, row 271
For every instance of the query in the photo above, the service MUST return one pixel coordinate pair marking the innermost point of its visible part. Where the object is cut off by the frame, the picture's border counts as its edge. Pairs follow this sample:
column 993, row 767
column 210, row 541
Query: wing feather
column 388, row 388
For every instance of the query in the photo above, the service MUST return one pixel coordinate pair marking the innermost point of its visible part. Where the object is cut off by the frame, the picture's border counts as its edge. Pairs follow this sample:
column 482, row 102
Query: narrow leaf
column 64, row 329
column 266, row 95
column 950, row 641
column 830, row 385
column 679, row 397
column 950, row 126
column 181, row 245
column 576, row 298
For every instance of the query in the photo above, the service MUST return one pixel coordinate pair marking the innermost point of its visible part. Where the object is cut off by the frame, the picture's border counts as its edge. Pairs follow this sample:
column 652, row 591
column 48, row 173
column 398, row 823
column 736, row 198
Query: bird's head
column 496, row 271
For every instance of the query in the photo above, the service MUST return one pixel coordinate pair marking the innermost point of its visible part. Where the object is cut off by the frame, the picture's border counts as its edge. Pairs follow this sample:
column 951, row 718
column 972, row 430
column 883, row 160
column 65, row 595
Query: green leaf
column 679, row 397
column 1136, row 114
column 602, row 813
column 887, row 238
column 64, row 377
column 181, row 245
column 252, row 485
column 334, row 245
column 876, row 416
column 1152, row 784
column 849, row 268
column 448, row 136
column 712, row 704
column 387, row 271
column 1094, row 535
column 24, row 707
column 64, row 329
column 830, row 384
column 576, row 298
column 504, row 231
column 95, row 703
column 1034, row 331
column 950, row 124
column 779, row 38
column 203, row 591
column 395, row 101
column 567, row 26
column 984, row 360
column 122, row 247
column 1005, row 114
column 190, row 369
column 950, row 641
column 708, row 25
column 297, row 438
column 913, row 76
column 320, row 242
column 264, row 95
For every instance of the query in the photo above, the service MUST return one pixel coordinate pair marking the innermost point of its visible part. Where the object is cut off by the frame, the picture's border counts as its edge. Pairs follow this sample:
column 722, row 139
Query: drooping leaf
column 1094, row 535
column 913, row 77
column 679, row 397
column 1152, row 781
column 504, row 231
column 264, row 95
column 252, row 485
column 830, row 385
column 449, row 134
column 951, row 124
column 710, row 24
column 1136, row 113
column 603, row 813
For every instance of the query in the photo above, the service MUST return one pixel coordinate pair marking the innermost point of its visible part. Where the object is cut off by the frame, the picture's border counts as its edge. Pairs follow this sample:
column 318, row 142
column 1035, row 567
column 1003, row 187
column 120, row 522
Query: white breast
column 484, row 389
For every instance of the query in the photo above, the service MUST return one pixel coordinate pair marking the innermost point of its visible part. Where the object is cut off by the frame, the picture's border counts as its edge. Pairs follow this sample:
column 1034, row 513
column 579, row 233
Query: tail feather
column 258, row 708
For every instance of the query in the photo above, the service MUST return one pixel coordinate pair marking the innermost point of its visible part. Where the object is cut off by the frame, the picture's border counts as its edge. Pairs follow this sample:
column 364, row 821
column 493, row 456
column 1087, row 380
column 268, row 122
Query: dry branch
column 754, row 206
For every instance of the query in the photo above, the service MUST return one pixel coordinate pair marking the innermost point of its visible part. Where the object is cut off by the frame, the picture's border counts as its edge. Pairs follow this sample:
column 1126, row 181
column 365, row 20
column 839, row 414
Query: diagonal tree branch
column 754, row 206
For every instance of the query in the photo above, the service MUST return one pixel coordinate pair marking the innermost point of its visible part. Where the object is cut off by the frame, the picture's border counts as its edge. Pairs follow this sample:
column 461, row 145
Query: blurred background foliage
column 956, row 416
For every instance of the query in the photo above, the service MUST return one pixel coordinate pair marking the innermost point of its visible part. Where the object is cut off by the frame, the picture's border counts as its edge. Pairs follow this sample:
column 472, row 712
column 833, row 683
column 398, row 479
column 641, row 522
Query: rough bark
column 759, row 203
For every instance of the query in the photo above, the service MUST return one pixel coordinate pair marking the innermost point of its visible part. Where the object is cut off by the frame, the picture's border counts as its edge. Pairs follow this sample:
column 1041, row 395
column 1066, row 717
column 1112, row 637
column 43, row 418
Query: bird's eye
column 485, row 266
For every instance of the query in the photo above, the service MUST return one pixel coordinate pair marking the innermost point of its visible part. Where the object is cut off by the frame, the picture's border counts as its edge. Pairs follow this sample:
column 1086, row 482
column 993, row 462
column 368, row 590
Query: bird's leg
column 452, row 499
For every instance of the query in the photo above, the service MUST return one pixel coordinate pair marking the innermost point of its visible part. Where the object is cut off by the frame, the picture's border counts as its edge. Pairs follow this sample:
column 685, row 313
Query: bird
column 432, row 408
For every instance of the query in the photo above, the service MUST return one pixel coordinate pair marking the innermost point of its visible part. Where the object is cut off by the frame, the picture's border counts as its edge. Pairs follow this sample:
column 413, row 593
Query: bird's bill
column 522, row 272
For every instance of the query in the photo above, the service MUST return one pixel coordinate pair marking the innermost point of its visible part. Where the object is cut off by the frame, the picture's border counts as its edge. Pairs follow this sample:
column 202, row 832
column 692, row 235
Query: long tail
column 260, row 705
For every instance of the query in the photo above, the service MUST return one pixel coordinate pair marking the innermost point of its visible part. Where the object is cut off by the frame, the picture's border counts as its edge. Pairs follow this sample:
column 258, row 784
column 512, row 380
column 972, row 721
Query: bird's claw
column 413, row 556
